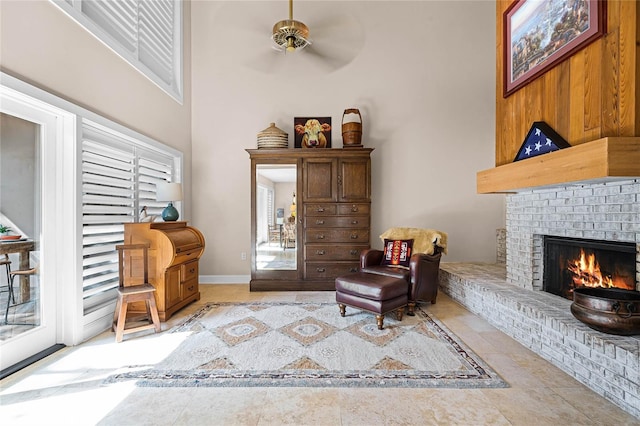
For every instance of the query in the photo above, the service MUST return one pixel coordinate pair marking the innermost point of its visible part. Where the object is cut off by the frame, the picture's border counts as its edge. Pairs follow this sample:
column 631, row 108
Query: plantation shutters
column 119, row 177
column 146, row 33
column 270, row 207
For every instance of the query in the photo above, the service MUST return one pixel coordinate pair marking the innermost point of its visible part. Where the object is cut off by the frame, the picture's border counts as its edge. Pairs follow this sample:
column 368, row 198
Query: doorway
column 29, row 138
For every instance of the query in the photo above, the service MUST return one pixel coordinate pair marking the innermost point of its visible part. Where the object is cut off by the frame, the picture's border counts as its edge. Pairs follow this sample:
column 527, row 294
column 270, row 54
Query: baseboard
column 225, row 279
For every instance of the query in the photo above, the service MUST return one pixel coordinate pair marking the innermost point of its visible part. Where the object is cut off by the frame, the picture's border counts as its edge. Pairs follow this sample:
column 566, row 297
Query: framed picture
column 538, row 35
column 312, row 132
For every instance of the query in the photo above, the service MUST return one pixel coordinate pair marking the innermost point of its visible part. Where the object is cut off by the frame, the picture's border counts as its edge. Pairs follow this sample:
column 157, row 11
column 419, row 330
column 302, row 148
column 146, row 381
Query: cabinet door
column 354, row 179
column 320, row 182
column 172, row 286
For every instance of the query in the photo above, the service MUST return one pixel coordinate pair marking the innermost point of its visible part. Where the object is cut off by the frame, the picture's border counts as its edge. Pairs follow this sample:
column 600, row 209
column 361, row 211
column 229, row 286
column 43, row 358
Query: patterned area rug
column 310, row 344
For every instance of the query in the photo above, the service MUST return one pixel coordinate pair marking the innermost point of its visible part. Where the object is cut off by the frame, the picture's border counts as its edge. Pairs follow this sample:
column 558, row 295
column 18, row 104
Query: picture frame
column 538, row 35
column 312, row 132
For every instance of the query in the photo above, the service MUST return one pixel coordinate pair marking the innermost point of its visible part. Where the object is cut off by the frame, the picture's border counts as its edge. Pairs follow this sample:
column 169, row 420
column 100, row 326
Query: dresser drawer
column 328, row 270
column 325, row 252
column 337, row 222
column 189, row 288
column 336, row 235
column 189, row 271
column 353, row 209
column 315, row 209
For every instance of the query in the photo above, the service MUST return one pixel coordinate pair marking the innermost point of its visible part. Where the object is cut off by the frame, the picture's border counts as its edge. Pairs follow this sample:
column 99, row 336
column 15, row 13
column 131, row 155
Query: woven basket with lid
column 272, row 137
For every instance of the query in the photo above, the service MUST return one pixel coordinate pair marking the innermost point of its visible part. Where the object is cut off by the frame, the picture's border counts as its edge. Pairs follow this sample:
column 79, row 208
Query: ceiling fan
column 337, row 39
column 289, row 34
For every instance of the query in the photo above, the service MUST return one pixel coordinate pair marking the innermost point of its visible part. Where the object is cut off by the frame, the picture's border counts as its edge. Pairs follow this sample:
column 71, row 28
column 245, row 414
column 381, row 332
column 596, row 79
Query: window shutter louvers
column 156, row 37
column 118, row 178
column 146, row 33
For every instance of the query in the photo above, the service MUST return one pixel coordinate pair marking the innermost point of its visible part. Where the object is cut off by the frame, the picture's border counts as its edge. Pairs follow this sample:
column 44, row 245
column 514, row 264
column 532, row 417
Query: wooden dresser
column 333, row 215
column 175, row 249
column 336, row 201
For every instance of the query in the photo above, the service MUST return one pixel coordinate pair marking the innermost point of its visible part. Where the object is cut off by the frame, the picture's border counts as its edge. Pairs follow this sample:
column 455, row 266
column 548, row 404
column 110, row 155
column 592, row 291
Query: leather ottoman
column 379, row 294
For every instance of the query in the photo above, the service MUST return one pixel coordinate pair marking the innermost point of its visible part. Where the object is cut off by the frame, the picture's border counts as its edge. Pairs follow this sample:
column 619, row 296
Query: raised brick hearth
column 509, row 295
column 608, row 364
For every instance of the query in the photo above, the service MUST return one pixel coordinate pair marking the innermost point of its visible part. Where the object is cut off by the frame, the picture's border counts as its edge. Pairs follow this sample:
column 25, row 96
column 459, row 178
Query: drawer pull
column 320, row 269
column 320, row 210
column 353, row 252
column 354, row 209
column 354, row 236
column 354, row 222
column 192, row 270
column 319, row 222
column 320, row 237
column 353, row 270
column 191, row 288
column 320, row 252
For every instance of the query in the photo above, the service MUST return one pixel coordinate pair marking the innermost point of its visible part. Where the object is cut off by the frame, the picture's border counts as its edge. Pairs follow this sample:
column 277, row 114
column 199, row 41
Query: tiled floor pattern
column 67, row 389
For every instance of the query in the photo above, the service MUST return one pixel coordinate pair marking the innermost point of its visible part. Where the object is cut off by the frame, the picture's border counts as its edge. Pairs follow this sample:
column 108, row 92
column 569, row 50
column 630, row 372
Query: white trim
column 224, row 279
column 60, row 322
column 98, row 120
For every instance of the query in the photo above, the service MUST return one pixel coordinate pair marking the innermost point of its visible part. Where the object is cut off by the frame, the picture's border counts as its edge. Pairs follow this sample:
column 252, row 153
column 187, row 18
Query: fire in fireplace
column 570, row 263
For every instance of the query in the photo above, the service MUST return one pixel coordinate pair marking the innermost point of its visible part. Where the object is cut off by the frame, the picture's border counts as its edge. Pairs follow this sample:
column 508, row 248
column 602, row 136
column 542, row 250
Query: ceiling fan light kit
column 289, row 34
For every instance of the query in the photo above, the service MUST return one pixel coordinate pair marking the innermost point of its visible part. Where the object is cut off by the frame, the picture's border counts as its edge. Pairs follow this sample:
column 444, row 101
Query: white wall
column 18, row 169
column 422, row 74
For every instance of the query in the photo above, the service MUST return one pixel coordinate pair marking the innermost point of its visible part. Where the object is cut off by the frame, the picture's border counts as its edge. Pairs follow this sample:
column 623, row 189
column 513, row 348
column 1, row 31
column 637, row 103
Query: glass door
column 27, row 298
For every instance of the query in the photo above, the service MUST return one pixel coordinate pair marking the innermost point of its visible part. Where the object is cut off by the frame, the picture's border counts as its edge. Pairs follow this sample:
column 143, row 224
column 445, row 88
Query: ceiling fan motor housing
column 290, row 34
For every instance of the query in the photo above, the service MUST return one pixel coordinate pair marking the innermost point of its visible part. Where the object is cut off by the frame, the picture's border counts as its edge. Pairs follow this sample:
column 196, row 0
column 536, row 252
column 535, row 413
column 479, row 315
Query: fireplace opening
column 570, row 263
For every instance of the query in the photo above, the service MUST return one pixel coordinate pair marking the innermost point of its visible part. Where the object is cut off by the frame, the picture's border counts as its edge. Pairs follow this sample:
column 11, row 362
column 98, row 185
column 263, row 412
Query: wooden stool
column 129, row 293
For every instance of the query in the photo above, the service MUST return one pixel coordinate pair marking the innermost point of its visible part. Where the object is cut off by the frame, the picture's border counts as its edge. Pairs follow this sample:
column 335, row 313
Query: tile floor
column 66, row 388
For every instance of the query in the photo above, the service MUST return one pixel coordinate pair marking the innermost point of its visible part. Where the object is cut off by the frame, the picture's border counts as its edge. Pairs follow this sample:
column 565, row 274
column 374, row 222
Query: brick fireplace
column 603, row 211
column 511, row 297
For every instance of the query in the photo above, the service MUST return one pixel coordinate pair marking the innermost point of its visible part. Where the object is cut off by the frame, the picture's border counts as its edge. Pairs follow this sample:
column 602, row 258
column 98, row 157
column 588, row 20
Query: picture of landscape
column 540, row 34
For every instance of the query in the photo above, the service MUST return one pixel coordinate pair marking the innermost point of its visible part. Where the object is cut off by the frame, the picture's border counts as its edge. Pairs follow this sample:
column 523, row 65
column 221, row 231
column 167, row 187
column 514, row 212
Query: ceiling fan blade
column 337, row 39
column 324, row 57
column 268, row 61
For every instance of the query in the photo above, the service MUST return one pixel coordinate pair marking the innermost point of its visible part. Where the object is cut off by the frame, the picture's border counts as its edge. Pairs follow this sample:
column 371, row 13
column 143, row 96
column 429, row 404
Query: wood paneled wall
column 593, row 94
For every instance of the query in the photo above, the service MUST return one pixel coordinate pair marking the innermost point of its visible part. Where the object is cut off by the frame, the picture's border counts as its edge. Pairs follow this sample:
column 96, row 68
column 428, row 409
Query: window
column 146, row 33
column 96, row 176
column 119, row 177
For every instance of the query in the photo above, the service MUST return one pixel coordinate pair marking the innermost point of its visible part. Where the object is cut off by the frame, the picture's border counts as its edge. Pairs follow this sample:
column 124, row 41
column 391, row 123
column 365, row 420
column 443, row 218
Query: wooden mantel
column 606, row 159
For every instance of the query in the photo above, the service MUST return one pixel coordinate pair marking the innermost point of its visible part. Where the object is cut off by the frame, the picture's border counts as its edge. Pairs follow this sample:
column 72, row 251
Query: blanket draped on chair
column 424, row 240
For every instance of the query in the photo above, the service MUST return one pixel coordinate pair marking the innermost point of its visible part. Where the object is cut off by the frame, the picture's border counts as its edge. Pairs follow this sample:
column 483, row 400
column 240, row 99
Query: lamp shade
column 168, row 192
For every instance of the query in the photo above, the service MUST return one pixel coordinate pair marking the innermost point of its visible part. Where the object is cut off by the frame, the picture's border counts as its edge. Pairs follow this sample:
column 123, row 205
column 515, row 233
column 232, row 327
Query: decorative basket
column 352, row 128
column 272, row 137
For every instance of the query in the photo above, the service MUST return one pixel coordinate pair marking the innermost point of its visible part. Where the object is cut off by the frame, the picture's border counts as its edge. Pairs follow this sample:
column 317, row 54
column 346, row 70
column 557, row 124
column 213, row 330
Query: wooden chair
column 12, row 276
column 4, row 261
column 275, row 234
column 129, row 292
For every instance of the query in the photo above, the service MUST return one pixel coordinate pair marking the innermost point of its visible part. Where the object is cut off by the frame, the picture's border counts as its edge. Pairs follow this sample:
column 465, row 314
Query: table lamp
column 169, row 192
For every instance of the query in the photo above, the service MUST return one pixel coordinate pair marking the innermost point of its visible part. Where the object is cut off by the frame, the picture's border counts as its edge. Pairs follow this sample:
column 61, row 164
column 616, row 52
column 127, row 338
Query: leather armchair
column 421, row 277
